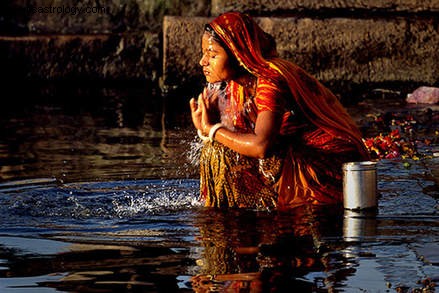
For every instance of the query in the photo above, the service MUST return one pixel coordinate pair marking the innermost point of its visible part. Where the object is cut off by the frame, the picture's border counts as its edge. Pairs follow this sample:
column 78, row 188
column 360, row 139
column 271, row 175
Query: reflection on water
column 93, row 134
column 98, row 194
column 261, row 252
column 358, row 225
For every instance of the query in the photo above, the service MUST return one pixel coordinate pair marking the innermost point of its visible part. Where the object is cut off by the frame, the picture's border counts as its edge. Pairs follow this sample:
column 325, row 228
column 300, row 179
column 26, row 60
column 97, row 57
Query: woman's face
column 215, row 61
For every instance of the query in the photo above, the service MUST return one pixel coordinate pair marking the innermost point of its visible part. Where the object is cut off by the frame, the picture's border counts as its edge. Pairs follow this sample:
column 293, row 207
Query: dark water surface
column 98, row 194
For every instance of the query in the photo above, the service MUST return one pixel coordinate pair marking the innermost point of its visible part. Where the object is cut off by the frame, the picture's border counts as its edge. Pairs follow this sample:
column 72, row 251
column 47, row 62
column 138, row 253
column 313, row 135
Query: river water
column 99, row 193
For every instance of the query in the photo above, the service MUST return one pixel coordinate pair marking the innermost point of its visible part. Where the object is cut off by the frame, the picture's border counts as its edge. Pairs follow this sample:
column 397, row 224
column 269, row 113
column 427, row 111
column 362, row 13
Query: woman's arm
column 255, row 144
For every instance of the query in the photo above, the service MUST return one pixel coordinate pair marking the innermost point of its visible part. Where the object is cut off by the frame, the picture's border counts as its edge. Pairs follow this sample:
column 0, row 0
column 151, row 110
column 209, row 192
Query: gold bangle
column 201, row 136
column 213, row 130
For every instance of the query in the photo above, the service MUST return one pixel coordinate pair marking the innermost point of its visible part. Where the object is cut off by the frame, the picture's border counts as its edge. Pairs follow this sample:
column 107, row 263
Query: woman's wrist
column 202, row 136
column 213, row 131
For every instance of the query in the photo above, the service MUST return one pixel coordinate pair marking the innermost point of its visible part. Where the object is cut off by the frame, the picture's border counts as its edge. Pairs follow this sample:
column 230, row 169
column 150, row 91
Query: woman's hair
column 208, row 28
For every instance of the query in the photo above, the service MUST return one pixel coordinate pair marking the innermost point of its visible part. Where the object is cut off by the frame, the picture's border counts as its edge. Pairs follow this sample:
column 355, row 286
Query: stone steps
column 94, row 56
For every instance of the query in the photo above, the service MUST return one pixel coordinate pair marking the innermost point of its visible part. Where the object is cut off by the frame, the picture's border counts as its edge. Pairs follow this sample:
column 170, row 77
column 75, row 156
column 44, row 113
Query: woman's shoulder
column 274, row 83
column 271, row 94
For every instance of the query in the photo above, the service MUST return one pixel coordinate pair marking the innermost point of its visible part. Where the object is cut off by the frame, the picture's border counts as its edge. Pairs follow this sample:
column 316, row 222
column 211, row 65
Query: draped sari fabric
column 316, row 136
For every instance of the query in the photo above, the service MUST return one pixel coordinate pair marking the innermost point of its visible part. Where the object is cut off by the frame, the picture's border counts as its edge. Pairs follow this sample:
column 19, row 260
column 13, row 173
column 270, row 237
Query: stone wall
column 86, row 39
column 348, row 45
column 356, row 8
column 344, row 43
column 336, row 50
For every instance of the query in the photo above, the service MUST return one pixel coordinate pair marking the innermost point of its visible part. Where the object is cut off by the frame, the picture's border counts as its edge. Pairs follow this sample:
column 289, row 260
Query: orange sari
column 316, row 136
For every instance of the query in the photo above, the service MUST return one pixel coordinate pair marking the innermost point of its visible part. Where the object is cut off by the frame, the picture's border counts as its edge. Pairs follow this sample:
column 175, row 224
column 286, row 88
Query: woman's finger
column 193, row 105
column 204, row 116
column 201, row 103
column 203, row 106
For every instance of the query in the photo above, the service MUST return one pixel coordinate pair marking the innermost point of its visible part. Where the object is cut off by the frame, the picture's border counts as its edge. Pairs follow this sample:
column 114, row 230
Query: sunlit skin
column 215, row 61
column 216, row 67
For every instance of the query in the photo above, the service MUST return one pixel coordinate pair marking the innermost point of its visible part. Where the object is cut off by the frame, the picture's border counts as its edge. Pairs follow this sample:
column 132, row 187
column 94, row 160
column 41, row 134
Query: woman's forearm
column 255, row 144
column 247, row 144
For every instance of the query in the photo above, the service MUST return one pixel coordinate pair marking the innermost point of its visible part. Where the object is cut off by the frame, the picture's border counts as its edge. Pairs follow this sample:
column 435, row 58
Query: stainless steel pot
column 359, row 185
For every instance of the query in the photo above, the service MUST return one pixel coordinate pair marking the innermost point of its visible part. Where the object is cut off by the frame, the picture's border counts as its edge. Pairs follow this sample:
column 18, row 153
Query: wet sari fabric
column 315, row 138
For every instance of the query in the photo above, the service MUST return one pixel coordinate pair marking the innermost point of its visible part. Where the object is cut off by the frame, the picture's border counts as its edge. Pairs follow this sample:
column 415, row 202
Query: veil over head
column 249, row 44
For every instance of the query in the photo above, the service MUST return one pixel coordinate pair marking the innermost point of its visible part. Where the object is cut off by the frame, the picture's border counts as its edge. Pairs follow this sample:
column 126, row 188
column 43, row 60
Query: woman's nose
column 203, row 61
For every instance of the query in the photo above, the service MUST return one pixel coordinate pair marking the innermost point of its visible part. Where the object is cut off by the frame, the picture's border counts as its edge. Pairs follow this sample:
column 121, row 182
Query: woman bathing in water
column 273, row 135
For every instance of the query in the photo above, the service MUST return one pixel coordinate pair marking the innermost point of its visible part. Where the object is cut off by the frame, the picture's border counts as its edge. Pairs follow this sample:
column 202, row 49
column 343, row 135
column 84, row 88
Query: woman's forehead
column 209, row 42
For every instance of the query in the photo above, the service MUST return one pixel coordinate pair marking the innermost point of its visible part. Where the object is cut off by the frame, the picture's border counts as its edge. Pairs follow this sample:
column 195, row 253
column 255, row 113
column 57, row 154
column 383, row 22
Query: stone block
column 357, row 51
column 182, row 49
column 326, row 7
column 85, row 57
column 92, row 16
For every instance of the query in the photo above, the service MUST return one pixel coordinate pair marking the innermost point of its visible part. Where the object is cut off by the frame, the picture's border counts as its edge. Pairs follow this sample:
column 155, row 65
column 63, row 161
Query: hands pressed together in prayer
column 254, row 144
column 200, row 113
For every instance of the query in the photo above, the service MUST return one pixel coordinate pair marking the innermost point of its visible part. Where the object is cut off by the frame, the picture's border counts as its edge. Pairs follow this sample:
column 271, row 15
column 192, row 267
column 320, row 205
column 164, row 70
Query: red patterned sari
column 316, row 136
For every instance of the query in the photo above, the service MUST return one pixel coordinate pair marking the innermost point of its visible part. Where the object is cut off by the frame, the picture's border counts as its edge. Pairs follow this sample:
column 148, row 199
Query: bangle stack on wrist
column 201, row 136
column 213, row 130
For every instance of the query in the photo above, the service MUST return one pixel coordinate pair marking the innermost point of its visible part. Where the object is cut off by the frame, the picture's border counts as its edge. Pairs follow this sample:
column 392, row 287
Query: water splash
column 120, row 199
column 157, row 198
column 194, row 151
